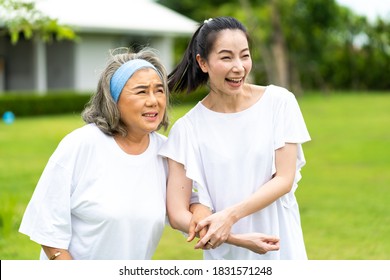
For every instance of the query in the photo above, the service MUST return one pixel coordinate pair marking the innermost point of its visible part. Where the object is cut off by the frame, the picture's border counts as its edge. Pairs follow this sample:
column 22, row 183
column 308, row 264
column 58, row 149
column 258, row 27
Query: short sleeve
column 290, row 126
column 47, row 219
column 181, row 147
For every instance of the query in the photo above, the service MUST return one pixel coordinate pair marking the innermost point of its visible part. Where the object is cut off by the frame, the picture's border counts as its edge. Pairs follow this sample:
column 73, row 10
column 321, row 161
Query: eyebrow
column 146, row 86
column 229, row 51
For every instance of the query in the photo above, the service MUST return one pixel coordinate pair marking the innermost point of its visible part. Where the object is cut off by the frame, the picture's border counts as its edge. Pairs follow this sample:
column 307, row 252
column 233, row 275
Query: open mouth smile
column 150, row 115
column 236, row 81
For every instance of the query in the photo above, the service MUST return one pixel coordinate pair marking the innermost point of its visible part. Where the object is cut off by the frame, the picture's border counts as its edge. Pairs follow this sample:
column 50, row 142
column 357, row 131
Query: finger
column 202, row 224
column 191, row 236
column 207, row 246
column 191, row 232
column 272, row 239
column 273, row 248
column 202, row 242
column 203, row 232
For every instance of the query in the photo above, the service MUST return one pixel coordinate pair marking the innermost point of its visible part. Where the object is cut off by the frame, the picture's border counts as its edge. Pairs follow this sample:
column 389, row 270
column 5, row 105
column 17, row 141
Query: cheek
column 162, row 101
column 248, row 66
column 218, row 70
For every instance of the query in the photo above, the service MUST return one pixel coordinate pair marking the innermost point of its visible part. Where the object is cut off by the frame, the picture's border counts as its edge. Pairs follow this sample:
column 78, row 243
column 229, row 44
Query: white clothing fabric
column 230, row 155
column 98, row 201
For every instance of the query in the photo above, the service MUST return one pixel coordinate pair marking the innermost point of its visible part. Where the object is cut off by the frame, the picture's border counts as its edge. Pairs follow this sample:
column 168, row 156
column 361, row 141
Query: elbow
column 288, row 188
column 286, row 184
column 289, row 185
column 173, row 221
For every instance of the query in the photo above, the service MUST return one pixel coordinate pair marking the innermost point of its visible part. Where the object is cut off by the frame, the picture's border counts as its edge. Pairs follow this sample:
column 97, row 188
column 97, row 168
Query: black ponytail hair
column 187, row 75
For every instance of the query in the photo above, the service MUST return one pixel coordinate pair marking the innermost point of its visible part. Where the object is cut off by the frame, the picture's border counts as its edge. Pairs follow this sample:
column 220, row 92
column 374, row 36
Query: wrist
column 233, row 214
column 55, row 255
column 234, row 239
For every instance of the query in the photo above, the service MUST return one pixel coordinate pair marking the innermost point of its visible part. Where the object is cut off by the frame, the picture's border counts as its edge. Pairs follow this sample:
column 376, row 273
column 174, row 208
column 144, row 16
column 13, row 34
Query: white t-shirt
column 97, row 201
column 229, row 156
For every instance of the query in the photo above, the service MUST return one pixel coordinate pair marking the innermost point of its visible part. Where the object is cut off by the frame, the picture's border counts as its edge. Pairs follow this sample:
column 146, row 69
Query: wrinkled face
column 229, row 62
column 142, row 102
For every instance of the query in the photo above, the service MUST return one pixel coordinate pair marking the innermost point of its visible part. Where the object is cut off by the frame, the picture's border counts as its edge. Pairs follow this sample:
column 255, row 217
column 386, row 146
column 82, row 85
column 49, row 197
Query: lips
column 150, row 115
column 236, row 81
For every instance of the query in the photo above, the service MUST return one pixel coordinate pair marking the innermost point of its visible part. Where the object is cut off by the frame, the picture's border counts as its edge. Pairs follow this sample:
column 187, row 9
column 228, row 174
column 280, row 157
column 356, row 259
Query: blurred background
column 333, row 55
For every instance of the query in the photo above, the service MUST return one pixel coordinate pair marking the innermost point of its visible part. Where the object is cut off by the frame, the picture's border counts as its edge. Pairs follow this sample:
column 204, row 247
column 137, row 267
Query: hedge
column 188, row 98
column 32, row 104
column 50, row 104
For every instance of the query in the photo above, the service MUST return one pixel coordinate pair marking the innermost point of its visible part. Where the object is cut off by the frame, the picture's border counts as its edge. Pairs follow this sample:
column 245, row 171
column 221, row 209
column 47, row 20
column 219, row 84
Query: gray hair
column 102, row 109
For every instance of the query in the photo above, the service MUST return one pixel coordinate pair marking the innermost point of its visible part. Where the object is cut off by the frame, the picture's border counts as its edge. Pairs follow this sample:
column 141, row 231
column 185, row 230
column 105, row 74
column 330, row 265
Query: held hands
column 214, row 229
column 218, row 228
column 199, row 212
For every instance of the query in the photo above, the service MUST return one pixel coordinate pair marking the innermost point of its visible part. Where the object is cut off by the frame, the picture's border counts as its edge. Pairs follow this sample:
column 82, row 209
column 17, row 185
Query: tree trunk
column 258, row 42
column 275, row 57
column 278, row 47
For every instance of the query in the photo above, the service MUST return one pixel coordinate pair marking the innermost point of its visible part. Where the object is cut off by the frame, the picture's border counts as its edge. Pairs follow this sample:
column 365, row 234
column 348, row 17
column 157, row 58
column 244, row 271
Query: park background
column 336, row 62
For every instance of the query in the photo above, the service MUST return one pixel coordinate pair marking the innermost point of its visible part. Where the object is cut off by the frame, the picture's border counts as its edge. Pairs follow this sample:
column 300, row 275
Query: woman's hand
column 199, row 212
column 257, row 242
column 218, row 227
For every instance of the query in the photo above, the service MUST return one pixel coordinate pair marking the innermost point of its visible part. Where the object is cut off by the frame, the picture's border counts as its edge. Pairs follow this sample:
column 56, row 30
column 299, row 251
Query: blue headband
column 124, row 73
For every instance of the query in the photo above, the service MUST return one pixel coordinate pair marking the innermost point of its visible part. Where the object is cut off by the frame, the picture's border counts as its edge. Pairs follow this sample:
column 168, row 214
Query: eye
column 160, row 90
column 225, row 57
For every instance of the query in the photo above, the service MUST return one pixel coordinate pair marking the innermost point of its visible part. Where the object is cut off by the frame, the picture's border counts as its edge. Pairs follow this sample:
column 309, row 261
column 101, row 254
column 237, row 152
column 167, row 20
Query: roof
column 118, row 16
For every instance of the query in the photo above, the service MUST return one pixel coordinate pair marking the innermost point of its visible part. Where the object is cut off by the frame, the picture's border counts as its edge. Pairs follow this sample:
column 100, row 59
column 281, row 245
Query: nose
column 238, row 66
column 151, row 99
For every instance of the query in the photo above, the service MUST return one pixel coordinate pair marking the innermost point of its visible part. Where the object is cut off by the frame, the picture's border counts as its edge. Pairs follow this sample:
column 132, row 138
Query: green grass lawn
column 344, row 194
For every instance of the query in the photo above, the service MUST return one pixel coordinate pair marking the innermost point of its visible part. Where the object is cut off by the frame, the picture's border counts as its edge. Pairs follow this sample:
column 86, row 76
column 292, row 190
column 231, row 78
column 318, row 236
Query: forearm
column 220, row 223
column 179, row 219
column 179, row 191
column 263, row 197
column 235, row 239
column 279, row 185
column 257, row 242
column 56, row 253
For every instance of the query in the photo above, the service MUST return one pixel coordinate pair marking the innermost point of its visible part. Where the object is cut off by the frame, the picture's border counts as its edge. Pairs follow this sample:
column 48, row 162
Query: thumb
column 272, row 239
column 191, row 232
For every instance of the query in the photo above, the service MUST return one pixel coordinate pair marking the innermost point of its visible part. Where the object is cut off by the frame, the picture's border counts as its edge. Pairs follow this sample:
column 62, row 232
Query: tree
column 304, row 44
column 22, row 17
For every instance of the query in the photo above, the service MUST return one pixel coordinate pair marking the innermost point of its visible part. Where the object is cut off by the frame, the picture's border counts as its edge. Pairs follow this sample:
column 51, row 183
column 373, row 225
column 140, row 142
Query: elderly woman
column 102, row 193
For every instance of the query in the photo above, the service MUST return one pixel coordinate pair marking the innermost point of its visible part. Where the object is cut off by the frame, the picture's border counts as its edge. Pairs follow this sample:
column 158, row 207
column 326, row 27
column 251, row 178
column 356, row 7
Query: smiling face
column 142, row 102
column 228, row 63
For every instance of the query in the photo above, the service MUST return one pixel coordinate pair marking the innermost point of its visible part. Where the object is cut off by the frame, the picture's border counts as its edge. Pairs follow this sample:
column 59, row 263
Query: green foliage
column 56, row 103
column 22, row 18
column 184, row 98
column 328, row 45
column 50, row 104
column 10, row 213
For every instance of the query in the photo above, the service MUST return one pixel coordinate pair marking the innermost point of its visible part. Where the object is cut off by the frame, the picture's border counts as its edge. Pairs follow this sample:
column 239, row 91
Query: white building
column 101, row 26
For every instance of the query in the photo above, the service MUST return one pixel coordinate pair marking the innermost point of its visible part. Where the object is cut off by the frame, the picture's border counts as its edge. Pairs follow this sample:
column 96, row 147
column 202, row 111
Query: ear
column 201, row 63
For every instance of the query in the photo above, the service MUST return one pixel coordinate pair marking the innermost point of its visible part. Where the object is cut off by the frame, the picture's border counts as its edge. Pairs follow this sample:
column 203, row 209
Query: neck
column 133, row 145
column 226, row 103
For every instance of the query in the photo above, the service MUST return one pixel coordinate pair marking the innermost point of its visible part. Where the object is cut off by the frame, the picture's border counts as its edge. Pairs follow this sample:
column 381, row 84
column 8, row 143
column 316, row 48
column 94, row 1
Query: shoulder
column 86, row 138
column 83, row 134
column 279, row 93
column 158, row 138
column 191, row 116
column 279, row 97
